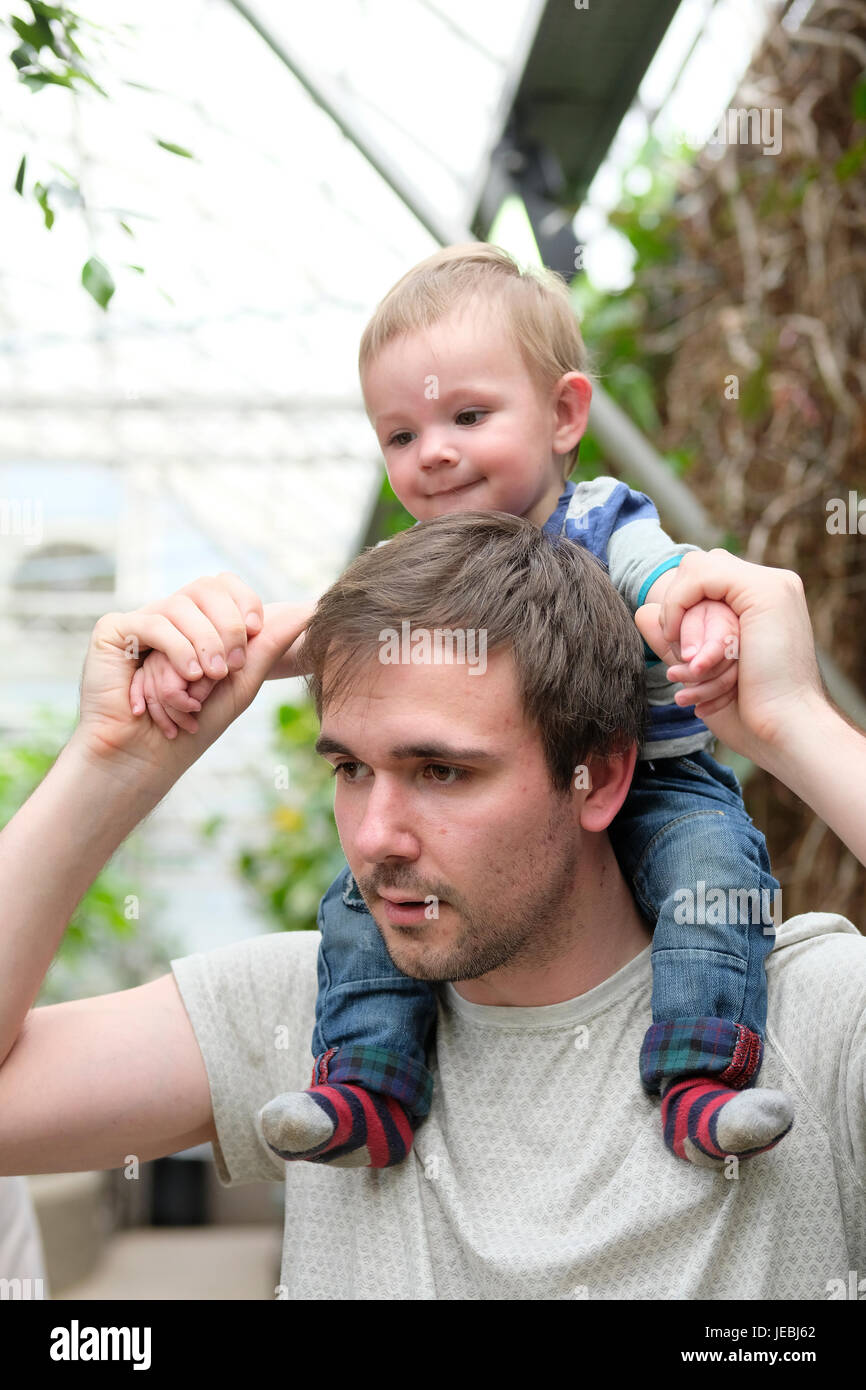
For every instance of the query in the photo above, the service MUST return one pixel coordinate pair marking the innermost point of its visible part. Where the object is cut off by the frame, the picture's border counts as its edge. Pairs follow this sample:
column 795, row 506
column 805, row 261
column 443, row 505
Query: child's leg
column 370, row 1086
column 699, row 866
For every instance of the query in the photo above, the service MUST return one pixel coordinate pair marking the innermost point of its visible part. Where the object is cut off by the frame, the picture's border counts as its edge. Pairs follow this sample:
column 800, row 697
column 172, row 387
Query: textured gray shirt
column 540, row 1172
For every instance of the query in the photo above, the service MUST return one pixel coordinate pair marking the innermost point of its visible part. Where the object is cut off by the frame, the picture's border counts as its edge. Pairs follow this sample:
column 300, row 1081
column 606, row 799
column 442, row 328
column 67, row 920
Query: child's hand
column 708, row 643
column 171, row 700
column 173, row 697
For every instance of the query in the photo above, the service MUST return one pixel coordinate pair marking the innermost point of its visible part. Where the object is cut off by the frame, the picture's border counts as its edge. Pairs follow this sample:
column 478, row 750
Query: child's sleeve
column 622, row 528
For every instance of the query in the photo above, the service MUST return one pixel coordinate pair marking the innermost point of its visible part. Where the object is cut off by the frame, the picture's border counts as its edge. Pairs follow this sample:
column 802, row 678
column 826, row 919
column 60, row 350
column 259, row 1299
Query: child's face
column 463, row 426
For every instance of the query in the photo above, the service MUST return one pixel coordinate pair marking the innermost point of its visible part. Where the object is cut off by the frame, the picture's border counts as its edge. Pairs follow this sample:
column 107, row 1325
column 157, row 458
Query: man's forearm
column 823, row 760
column 50, row 853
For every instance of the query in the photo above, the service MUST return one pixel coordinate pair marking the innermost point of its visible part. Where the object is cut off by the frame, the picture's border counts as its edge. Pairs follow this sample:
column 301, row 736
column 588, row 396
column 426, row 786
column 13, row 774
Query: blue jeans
column 683, row 825
column 699, row 870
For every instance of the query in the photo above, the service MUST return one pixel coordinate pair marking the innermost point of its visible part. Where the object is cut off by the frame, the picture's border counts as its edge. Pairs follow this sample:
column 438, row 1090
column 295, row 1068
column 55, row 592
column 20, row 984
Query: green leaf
column 37, row 80
column 40, row 193
column 175, row 149
column 851, row 161
column 19, row 177
column 755, row 398
column 858, row 100
column 126, row 227
column 43, row 11
column 85, row 77
column 38, row 34
column 96, row 279
column 130, row 266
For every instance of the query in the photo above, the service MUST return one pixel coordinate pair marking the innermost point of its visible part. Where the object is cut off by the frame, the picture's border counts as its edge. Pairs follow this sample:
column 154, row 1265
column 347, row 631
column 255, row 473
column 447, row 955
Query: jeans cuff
column 700, row 1047
column 378, row 1069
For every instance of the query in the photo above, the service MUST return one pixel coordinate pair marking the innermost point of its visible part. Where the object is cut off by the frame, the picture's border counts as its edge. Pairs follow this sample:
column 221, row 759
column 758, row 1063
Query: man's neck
column 598, row 931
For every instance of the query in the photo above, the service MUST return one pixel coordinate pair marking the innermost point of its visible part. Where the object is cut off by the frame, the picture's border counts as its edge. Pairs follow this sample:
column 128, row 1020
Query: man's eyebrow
column 433, row 752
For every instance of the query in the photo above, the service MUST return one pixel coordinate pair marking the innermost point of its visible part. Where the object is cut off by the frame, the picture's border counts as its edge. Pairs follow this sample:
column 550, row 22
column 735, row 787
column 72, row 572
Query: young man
column 537, row 1174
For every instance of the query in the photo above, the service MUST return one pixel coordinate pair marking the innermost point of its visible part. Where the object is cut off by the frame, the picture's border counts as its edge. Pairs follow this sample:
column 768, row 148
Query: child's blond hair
column 534, row 304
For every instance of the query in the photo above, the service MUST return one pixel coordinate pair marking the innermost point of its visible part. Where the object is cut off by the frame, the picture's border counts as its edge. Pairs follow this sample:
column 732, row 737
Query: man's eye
column 347, row 769
column 456, row 774
column 480, row 413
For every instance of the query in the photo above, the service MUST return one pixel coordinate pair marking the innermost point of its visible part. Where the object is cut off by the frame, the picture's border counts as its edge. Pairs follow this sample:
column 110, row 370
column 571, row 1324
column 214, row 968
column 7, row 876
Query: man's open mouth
column 410, row 911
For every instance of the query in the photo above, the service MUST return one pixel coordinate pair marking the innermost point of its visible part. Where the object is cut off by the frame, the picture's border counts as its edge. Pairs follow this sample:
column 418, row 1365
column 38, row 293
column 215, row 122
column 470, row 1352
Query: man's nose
column 386, row 830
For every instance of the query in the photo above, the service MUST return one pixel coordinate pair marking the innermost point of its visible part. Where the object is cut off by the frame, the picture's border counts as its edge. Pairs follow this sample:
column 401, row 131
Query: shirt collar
column 555, row 524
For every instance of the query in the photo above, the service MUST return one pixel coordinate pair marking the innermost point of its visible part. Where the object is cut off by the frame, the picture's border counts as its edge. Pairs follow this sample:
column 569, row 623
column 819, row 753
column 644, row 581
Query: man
column 538, row 1173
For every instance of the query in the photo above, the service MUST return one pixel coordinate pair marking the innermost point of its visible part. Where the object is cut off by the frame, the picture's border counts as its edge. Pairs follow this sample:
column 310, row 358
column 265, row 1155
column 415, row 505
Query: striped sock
column 366, row 1128
column 704, row 1120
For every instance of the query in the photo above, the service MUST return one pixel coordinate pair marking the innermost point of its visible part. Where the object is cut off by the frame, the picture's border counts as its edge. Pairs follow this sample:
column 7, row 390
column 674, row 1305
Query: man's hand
column 207, row 627
column 778, row 672
column 173, row 697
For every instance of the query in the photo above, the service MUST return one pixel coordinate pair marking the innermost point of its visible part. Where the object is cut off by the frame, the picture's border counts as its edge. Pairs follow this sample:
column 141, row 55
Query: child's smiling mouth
column 450, row 491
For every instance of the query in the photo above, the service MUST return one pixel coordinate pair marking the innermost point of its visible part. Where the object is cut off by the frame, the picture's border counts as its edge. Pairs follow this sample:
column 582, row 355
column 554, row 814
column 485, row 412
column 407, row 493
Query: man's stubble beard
column 531, row 932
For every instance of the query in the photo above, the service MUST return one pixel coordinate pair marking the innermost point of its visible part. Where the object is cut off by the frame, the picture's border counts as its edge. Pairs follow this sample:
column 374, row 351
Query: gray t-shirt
column 540, row 1172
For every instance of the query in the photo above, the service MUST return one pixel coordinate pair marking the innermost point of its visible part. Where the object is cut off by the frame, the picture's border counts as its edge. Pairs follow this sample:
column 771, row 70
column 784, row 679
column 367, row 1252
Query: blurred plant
column 389, row 516
column 613, row 324
column 48, row 54
column 101, row 949
column 299, row 853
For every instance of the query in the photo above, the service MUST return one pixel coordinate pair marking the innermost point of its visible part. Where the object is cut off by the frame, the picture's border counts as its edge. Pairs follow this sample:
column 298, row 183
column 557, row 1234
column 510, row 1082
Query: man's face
column 443, row 795
column 461, row 424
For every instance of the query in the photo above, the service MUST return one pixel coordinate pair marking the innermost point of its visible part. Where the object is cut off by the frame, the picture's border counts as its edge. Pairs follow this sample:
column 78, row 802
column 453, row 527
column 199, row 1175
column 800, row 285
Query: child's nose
column 438, row 450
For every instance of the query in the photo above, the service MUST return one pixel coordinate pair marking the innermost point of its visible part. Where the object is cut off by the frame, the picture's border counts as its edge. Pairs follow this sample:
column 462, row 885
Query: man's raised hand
column 778, row 676
column 214, row 629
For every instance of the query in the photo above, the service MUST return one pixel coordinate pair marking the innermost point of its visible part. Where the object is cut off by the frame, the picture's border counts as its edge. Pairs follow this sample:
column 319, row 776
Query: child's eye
column 471, row 412
column 399, row 435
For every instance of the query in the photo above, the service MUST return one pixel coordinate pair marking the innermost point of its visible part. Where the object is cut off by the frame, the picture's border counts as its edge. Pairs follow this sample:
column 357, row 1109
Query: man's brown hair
column 578, row 656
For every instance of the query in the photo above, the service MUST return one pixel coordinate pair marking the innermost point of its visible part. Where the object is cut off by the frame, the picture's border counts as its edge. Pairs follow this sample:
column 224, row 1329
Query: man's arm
column 90, row 1083
column 105, row 1055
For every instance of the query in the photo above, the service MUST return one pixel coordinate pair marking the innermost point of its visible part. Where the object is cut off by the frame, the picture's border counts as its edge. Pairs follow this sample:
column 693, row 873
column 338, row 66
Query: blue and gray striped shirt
column 622, row 529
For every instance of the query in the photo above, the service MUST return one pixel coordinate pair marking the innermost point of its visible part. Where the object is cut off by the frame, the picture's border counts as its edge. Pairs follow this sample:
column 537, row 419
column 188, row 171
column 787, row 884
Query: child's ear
column 574, row 394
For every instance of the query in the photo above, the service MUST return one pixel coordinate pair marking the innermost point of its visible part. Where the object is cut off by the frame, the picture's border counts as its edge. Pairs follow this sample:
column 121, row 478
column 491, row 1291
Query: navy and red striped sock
column 707, row 1121
column 342, row 1124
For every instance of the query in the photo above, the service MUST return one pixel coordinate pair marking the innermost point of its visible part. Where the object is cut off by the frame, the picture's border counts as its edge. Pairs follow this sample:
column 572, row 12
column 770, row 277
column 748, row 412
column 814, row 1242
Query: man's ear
column 607, row 781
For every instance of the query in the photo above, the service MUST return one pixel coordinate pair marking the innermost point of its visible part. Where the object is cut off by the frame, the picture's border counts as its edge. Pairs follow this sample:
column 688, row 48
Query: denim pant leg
column 699, row 868
column 372, row 1021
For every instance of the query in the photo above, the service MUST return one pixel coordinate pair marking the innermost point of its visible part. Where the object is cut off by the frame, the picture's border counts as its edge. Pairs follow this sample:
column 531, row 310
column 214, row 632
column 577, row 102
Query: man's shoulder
column 279, row 948
column 816, row 985
column 250, row 980
column 814, row 941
